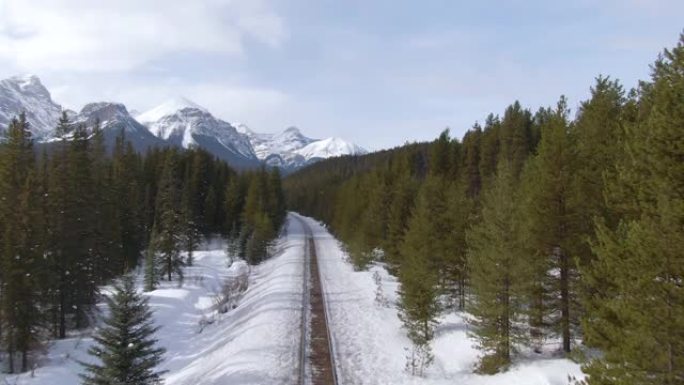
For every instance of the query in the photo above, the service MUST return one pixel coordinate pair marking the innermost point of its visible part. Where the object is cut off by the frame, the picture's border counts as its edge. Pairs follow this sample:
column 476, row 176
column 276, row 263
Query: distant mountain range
column 290, row 149
column 177, row 122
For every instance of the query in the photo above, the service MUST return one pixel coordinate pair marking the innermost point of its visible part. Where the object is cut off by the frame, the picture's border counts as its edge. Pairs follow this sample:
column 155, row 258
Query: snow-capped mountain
column 264, row 145
column 115, row 119
column 278, row 150
column 328, row 148
column 183, row 123
column 27, row 93
column 291, row 150
column 177, row 122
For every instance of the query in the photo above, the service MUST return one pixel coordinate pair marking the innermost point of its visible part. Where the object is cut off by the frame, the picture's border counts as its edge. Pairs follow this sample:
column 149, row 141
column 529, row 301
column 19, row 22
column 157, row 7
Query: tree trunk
column 537, row 318
column 1, row 301
column 565, row 298
column 62, row 313
column 10, row 355
column 24, row 360
column 506, row 321
column 79, row 317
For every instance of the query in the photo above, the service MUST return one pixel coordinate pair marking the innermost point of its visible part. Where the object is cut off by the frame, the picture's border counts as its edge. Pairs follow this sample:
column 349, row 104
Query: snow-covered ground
column 370, row 342
column 257, row 342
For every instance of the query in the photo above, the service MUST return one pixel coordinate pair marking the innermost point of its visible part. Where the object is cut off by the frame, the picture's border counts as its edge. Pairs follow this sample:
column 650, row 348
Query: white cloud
column 98, row 36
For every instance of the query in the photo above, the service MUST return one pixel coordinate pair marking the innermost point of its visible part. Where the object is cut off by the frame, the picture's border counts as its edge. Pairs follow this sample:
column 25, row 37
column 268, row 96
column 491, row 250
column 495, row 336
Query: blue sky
column 379, row 73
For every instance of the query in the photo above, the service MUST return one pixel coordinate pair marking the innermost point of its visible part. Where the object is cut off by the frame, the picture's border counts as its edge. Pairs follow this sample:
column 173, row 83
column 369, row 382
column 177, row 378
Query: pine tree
column 80, row 228
column 598, row 133
column 151, row 269
column 515, row 137
column 419, row 274
column 60, row 258
column 125, row 347
column 19, row 313
column 495, row 275
column 490, row 145
column 191, row 233
column 551, row 229
column 257, row 229
column 471, row 161
column 72, row 225
column 129, row 192
column 9, row 299
column 196, row 187
column 26, row 271
column 167, row 231
column 211, row 208
column 440, row 162
column 372, row 226
column 234, row 205
column 418, row 306
column 458, row 214
column 258, row 242
column 276, row 199
column 403, row 191
column 637, row 313
column 107, row 245
column 255, row 200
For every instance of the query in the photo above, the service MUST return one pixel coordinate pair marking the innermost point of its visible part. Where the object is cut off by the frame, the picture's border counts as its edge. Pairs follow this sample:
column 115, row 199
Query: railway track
column 317, row 355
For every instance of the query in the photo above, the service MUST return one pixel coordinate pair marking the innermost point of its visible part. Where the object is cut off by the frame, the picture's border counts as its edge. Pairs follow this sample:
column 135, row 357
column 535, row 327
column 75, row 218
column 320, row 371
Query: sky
column 375, row 72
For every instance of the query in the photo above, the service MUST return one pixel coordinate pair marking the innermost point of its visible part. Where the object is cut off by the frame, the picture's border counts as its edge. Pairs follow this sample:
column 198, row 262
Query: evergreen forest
column 77, row 215
column 546, row 225
column 558, row 226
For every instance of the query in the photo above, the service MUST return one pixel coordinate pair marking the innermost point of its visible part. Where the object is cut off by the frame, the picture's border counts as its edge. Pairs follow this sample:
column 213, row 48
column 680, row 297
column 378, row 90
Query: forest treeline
column 79, row 215
column 544, row 227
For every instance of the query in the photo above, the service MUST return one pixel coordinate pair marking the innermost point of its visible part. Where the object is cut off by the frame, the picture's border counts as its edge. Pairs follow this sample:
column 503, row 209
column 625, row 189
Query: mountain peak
column 330, row 147
column 25, row 93
column 292, row 130
column 110, row 106
column 181, row 102
column 184, row 123
column 29, row 84
column 169, row 107
column 108, row 114
column 25, row 80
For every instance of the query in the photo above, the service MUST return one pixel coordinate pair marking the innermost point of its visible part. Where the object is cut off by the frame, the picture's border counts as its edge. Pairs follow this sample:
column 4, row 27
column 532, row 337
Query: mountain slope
column 287, row 141
column 278, row 150
column 328, row 148
column 27, row 94
column 183, row 123
column 115, row 119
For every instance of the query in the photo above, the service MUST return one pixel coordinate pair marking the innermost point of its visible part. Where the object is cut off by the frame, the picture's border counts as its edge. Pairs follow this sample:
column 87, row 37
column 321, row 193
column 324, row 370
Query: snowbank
column 257, row 342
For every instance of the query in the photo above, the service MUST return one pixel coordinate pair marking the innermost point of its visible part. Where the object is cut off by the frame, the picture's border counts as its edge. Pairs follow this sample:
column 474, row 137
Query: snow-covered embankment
column 256, row 342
